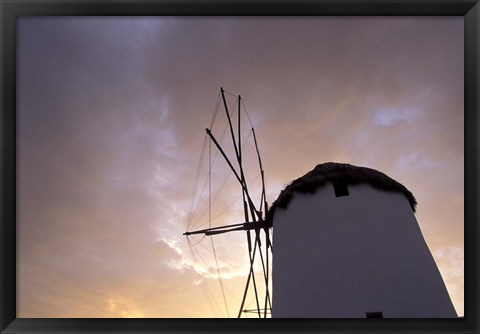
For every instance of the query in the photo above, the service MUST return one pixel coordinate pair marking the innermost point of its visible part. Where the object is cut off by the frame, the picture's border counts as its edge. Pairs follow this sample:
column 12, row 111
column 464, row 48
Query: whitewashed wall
column 345, row 256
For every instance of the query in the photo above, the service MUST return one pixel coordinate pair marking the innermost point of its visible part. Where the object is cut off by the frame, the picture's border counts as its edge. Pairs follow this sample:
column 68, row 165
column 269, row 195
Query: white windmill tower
column 347, row 245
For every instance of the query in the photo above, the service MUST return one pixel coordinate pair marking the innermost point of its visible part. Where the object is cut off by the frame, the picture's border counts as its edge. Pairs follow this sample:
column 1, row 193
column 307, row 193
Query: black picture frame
column 10, row 10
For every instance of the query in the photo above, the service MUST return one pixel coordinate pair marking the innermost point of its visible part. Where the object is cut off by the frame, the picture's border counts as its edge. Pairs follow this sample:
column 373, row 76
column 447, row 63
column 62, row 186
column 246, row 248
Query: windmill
column 255, row 223
column 366, row 255
column 347, row 244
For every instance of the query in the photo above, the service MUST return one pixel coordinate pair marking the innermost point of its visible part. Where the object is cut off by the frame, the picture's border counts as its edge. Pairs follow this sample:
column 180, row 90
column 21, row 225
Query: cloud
column 389, row 118
column 112, row 115
column 451, row 264
column 416, row 161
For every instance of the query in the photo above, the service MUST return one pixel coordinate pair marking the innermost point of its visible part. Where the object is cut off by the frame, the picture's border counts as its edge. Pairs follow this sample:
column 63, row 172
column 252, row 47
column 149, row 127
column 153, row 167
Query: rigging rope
column 230, row 93
column 235, row 201
column 190, row 226
column 246, row 112
column 225, row 209
column 251, row 206
column 228, row 175
column 220, row 259
column 251, row 275
column 193, row 205
column 204, row 284
column 210, row 223
column 220, row 277
column 192, row 248
column 217, row 105
column 200, row 164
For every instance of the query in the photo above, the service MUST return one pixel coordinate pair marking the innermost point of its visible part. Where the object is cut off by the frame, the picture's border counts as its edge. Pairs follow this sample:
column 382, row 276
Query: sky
column 111, row 118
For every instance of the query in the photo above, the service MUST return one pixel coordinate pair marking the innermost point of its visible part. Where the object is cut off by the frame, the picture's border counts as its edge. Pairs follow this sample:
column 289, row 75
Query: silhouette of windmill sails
column 255, row 222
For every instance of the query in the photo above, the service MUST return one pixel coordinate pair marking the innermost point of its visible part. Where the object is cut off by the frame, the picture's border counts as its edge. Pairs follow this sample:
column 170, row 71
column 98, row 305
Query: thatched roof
column 335, row 172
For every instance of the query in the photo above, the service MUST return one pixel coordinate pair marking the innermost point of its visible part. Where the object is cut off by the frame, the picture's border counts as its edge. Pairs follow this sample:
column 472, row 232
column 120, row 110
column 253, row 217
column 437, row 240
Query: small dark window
column 341, row 189
column 374, row 315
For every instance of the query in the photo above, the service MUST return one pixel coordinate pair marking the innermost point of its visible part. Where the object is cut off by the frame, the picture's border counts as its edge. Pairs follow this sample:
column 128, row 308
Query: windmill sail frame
column 254, row 219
